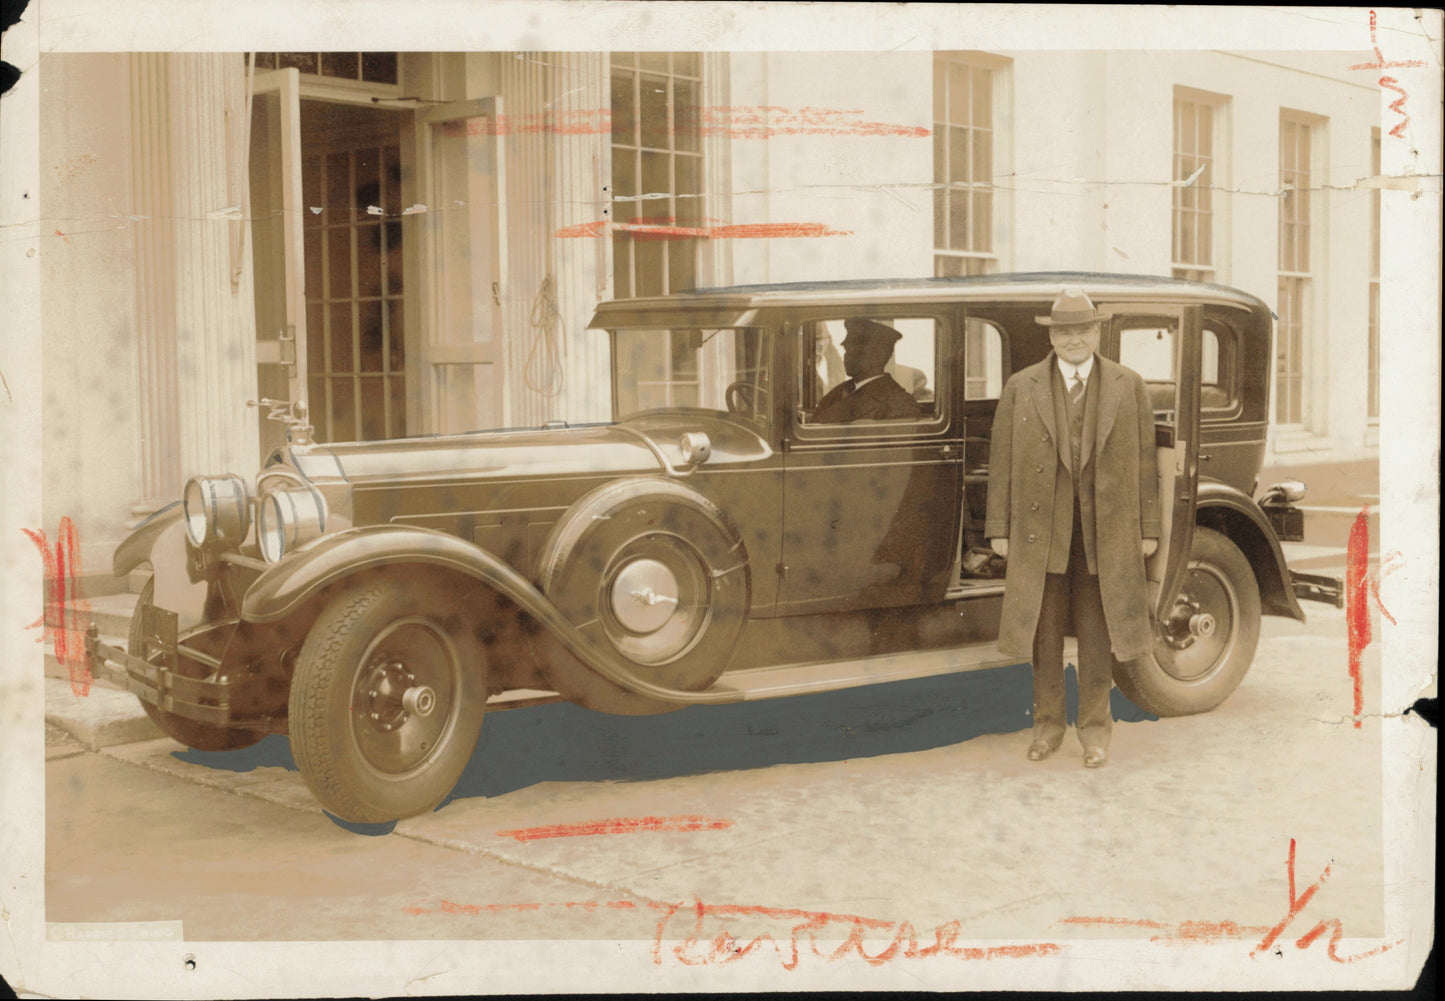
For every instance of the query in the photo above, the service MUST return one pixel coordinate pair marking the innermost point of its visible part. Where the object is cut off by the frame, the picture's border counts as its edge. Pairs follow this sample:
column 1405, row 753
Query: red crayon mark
column 1296, row 905
column 1357, row 608
column 620, row 825
column 711, row 938
column 712, row 935
column 67, row 614
column 1389, row 82
column 735, row 122
column 665, row 228
column 1209, row 932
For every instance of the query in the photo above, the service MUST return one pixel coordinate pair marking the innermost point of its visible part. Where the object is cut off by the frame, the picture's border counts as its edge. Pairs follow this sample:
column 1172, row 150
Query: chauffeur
column 1073, row 502
column 870, row 393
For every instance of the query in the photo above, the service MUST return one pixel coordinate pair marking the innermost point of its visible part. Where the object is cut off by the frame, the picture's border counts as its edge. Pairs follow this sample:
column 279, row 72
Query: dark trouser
column 1072, row 599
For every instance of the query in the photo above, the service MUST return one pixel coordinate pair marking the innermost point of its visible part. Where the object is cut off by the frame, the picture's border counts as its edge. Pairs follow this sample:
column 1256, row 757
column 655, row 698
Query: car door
column 1164, row 344
column 870, row 508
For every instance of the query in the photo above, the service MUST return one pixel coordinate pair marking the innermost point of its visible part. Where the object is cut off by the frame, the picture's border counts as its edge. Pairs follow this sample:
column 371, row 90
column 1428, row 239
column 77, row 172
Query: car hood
column 646, row 444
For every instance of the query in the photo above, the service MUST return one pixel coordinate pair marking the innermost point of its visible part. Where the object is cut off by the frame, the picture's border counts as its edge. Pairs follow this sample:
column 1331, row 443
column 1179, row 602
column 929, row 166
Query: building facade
column 414, row 242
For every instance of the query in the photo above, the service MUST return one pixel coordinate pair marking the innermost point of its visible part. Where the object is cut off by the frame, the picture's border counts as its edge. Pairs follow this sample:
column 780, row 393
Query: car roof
column 1025, row 285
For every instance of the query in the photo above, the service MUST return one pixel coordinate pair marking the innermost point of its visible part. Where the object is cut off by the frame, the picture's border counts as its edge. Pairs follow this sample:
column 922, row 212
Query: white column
column 581, row 264
column 215, row 335
column 155, row 282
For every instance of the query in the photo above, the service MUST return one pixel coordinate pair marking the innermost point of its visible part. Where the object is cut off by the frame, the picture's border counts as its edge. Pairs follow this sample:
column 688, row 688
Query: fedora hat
column 1072, row 308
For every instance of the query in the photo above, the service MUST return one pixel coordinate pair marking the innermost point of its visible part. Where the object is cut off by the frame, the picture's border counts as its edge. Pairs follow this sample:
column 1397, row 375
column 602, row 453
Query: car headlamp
column 288, row 519
column 217, row 509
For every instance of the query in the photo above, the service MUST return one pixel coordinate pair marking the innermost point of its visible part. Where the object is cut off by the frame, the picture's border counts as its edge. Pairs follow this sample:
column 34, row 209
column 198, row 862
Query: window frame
column 798, row 434
column 627, row 234
column 1216, row 216
column 974, row 260
column 1299, row 235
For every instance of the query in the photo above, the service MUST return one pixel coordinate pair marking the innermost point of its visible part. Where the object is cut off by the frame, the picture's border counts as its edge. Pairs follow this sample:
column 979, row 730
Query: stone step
column 102, row 717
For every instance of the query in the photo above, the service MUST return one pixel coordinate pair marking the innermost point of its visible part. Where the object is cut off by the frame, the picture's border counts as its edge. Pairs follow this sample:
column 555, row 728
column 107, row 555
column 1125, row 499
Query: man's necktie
column 1076, row 388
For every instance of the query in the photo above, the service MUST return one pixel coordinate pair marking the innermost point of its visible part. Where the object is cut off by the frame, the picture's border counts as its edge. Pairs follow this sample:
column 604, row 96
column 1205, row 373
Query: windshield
column 668, row 368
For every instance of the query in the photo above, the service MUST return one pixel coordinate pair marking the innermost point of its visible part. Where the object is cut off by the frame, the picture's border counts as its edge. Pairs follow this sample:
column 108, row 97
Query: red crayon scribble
column 619, row 825
column 666, row 228
column 1333, row 925
column 1210, row 932
column 716, row 943
column 67, row 614
column 1357, row 608
column 726, row 122
column 1360, row 587
column 712, row 936
column 1389, row 82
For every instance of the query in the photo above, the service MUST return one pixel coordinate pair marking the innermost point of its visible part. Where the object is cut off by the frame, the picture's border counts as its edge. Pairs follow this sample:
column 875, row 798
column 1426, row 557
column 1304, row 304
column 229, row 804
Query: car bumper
column 156, row 680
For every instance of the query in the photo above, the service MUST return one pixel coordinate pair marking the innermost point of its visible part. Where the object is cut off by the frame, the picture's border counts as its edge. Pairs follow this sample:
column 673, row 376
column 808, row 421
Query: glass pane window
column 373, row 67
column 1193, row 213
column 668, row 368
column 657, row 171
column 1373, row 375
column 1295, row 287
column 963, row 166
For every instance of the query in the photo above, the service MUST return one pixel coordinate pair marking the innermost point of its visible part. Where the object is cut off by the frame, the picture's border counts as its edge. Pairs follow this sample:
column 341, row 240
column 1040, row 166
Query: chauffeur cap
column 867, row 329
column 1072, row 308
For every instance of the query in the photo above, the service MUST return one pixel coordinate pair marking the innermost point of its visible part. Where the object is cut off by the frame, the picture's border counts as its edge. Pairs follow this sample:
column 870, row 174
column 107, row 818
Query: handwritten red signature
column 1200, row 932
column 1389, row 82
column 712, row 934
column 67, row 614
column 617, row 825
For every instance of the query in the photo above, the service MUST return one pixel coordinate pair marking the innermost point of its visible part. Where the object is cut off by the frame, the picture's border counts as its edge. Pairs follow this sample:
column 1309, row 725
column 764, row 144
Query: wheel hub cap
column 644, row 595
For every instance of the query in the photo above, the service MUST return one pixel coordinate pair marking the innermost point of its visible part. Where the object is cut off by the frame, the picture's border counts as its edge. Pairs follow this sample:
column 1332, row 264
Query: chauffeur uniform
column 1073, row 488
column 878, row 399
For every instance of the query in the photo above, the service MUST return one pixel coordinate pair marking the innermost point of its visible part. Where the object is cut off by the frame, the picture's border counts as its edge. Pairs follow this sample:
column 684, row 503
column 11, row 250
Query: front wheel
column 1204, row 647
column 387, row 700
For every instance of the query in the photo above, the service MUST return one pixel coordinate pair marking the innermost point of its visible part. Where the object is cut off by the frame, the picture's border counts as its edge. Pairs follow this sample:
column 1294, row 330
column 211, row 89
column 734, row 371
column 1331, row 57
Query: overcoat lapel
column 1043, row 400
column 1110, row 394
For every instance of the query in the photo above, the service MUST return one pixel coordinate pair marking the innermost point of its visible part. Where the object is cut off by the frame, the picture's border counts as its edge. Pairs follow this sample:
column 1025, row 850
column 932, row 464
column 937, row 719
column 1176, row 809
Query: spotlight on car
column 217, row 509
column 695, row 447
column 289, row 519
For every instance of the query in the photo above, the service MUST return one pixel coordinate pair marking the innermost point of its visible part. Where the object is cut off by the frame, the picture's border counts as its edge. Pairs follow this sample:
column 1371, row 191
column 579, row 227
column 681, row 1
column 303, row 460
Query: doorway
column 356, row 332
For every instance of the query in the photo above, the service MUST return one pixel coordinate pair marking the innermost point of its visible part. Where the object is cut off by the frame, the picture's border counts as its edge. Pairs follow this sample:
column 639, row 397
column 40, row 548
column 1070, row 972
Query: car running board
column 810, row 678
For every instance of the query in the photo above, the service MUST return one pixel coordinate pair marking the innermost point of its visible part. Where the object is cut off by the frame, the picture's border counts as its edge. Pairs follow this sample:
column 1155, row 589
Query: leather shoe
column 1095, row 757
column 1040, row 751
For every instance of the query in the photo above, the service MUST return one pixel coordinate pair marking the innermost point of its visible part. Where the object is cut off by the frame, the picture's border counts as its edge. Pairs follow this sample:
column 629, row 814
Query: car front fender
column 287, row 585
column 137, row 547
column 1232, row 513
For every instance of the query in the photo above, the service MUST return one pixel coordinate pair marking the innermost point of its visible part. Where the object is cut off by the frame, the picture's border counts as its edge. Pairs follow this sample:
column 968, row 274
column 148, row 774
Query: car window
column 669, row 368
column 894, row 370
column 1148, row 346
column 983, row 369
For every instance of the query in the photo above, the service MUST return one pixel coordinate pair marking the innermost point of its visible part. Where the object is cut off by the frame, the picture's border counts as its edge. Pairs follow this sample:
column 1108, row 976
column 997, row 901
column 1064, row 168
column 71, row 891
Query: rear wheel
column 1204, row 647
column 387, row 699
column 187, row 731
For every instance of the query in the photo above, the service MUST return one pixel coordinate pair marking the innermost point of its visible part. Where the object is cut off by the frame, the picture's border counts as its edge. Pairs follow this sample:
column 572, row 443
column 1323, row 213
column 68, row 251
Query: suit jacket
column 879, row 400
column 1031, row 491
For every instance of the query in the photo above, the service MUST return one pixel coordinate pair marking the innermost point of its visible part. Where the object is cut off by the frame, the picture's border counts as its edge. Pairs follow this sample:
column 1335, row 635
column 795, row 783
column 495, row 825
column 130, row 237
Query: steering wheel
column 744, row 398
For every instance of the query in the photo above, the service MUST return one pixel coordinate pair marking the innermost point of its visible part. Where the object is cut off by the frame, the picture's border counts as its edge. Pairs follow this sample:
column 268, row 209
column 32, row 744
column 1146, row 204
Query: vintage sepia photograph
column 556, row 496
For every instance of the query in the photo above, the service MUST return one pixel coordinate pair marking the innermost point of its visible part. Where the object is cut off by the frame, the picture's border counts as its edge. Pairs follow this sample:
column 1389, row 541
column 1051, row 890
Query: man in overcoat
column 1073, row 503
